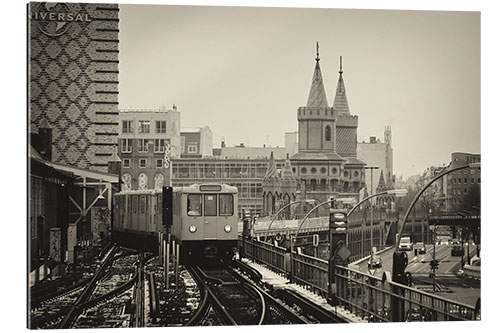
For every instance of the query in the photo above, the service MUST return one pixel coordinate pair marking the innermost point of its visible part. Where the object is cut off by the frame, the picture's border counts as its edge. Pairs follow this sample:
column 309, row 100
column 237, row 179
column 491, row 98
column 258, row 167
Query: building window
column 126, row 163
column 161, row 126
column 322, row 170
column 328, row 133
column 159, row 145
column 465, row 180
column 303, row 170
column 334, row 171
column 127, row 127
column 159, row 163
column 356, row 173
column 144, row 126
column 472, row 172
column 465, row 172
column 465, row 190
column 126, row 145
column 479, row 180
column 460, row 180
column 192, row 148
column 346, row 173
column 142, row 145
column 142, row 163
column 313, row 170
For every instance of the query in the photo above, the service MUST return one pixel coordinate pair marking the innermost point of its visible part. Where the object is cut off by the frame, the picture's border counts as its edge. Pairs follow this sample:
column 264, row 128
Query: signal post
column 339, row 253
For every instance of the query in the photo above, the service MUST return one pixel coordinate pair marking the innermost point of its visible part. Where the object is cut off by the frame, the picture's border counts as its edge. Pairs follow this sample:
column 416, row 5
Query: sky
column 244, row 72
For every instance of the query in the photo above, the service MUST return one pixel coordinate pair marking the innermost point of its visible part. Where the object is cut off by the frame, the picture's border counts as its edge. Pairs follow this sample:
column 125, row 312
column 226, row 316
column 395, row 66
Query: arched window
column 328, row 133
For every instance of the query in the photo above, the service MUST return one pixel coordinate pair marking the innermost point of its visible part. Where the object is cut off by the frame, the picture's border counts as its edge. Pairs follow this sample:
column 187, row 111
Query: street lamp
column 399, row 271
column 283, row 208
column 371, row 168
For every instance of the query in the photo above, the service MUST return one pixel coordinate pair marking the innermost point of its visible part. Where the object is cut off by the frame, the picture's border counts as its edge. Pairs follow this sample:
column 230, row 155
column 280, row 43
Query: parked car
column 375, row 261
column 457, row 250
column 420, row 246
column 405, row 244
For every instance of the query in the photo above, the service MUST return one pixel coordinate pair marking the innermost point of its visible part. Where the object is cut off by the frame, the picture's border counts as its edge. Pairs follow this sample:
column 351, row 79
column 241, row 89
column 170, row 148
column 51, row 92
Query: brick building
column 144, row 133
column 460, row 183
column 196, row 142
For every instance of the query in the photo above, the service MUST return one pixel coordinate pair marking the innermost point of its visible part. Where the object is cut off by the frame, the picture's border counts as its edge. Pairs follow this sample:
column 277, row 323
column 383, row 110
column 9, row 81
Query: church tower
column 316, row 119
column 347, row 124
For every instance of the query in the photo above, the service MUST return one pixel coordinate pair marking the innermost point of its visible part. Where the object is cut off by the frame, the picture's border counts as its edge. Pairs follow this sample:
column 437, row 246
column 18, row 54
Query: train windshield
column 226, row 205
column 194, row 204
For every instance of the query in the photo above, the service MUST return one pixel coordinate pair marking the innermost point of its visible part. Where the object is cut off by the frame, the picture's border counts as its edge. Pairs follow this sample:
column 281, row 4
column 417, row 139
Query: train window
column 194, row 204
column 143, row 204
column 226, row 205
column 210, row 205
column 134, row 204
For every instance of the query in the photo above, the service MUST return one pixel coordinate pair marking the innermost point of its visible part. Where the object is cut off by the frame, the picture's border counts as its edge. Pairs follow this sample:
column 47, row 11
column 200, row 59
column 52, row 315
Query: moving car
column 375, row 261
column 457, row 250
column 420, row 247
column 405, row 244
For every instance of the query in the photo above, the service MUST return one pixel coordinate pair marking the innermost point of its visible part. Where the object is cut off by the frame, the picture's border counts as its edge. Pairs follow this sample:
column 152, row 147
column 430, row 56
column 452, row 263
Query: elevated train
column 203, row 219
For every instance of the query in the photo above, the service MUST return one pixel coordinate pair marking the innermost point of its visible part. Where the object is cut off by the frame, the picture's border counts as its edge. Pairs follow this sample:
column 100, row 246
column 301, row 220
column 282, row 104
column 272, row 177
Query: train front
column 206, row 221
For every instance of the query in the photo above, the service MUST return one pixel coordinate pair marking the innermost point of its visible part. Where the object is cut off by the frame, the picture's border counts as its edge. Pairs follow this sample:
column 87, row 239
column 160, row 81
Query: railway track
column 228, row 298
column 102, row 301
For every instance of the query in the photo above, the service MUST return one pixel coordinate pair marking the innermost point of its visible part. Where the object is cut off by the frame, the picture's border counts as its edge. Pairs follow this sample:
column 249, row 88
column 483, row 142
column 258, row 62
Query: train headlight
column 192, row 229
column 227, row 228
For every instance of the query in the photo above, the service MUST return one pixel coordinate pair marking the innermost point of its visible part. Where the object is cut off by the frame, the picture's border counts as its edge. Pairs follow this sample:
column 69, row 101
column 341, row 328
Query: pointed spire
column 381, row 182
column 287, row 173
column 340, row 102
column 317, row 95
column 272, row 171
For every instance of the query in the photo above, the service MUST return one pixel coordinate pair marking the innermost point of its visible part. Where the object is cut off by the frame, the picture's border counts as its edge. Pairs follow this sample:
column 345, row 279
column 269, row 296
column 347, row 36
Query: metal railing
column 311, row 273
column 370, row 297
column 364, row 295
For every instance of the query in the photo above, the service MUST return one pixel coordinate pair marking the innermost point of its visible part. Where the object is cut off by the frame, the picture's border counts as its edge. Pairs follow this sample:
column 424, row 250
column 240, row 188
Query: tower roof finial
column 341, row 71
column 317, row 51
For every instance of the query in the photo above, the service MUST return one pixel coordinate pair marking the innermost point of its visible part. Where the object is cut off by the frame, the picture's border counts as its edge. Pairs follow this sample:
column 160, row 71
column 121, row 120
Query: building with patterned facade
column 73, row 79
column 144, row 133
